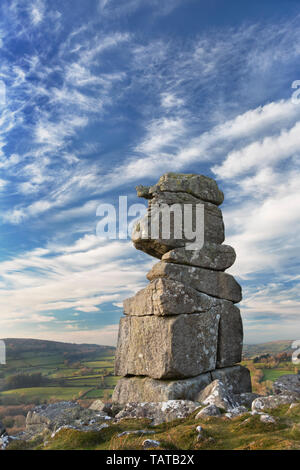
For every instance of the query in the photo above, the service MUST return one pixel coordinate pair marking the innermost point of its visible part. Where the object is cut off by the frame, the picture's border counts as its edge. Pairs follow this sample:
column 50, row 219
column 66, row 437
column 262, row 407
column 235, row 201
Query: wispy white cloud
column 81, row 277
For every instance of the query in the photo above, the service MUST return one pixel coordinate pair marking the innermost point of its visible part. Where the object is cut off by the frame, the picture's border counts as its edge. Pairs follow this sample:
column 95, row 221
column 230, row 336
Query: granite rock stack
column 183, row 330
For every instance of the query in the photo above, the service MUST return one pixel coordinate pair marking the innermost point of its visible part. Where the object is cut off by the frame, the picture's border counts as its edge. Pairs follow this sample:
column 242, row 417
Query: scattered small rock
column 293, row 405
column 237, row 411
column 271, row 401
column 149, row 443
column 265, row 418
column 139, row 431
column 158, row 412
column 246, row 399
column 110, row 409
column 209, row 410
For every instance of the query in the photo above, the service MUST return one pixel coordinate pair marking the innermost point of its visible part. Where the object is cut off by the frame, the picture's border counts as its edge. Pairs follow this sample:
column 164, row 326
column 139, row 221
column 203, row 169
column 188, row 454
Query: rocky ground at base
column 270, row 421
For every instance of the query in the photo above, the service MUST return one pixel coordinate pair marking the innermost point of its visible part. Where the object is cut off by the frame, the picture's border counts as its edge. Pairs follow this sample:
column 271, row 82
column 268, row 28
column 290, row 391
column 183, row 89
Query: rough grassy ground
column 246, row 432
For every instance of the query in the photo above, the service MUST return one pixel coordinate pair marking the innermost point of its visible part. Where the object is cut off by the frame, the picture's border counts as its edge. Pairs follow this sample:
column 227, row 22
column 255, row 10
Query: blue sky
column 103, row 95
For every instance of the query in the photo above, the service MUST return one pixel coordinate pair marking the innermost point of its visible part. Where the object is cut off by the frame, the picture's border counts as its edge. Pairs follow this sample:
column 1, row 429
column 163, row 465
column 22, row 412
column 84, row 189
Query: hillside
column 271, row 347
column 50, row 370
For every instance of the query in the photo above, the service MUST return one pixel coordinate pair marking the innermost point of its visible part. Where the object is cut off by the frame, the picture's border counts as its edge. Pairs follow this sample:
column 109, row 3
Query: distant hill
column 37, row 371
column 272, row 347
column 17, row 347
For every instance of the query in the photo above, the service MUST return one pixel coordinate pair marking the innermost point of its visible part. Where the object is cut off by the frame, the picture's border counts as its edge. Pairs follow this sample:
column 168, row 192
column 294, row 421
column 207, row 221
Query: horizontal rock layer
column 214, row 283
column 167, row 347
column 200, row 186
column 211, row 256
column 164, row 297
column 145, row 389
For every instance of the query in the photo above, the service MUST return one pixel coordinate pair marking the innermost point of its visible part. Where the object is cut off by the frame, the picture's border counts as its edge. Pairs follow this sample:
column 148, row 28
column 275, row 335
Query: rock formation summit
column 182, row 331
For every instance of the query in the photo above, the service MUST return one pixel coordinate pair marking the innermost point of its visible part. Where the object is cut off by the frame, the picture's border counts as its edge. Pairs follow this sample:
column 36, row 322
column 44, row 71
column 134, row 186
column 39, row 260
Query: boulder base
column 144, row 389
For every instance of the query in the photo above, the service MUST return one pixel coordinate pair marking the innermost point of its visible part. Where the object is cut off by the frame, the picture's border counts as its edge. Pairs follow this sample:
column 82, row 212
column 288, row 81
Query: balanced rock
column 182, row 331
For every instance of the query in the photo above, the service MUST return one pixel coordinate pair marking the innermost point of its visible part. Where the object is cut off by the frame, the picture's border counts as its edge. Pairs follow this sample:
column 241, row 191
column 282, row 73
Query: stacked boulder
column 183, row 331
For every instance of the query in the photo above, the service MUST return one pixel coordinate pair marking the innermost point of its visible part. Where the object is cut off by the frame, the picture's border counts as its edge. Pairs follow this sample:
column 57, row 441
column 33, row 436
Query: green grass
column 99, row 364
column 273, row 374
column 45, row 393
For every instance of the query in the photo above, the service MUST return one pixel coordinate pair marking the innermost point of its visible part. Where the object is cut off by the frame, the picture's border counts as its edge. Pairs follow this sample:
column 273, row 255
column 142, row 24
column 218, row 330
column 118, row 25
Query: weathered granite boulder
column 166, row 297
column 167, row 347
column 236, row 378
column 237, row 411
column 217, row 394
column 211, row 256
column 159, row 412
column 246, row 399
column 271, row 401
column 200, row 186
column 163, row 208
column 208, row 411
column 145, row 389
column 54, row 416
column 214, row 283
column 287, row 385
column 108, row 408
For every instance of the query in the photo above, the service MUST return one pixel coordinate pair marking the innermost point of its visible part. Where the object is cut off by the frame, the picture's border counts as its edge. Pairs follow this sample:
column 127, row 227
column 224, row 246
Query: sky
column 103, row 95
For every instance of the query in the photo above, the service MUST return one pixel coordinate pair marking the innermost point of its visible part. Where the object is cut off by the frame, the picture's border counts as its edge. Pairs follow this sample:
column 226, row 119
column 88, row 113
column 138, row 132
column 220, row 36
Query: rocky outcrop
column 158, row 412
column 66, row 413
column 287, row 385
column 182, row 331
column 271, row 401
column 217, row 394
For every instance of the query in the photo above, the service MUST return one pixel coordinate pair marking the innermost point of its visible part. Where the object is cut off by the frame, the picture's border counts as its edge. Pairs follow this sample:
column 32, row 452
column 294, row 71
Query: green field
column 71, row 371
column 36, row 394
column 273, row 374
